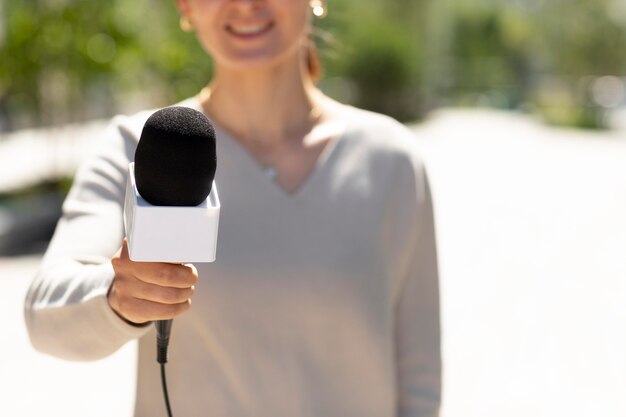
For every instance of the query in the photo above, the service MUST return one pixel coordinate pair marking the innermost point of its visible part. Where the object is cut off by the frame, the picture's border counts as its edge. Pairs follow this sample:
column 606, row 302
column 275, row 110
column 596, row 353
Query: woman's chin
column 255, row 61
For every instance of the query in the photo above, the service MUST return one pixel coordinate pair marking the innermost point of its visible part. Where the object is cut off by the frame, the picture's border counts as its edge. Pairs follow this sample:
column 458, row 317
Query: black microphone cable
column 165, row 395
column 164, row 327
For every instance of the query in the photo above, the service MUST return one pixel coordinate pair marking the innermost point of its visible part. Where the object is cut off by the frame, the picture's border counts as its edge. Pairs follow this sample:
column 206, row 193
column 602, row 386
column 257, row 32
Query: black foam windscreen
column 175, row 159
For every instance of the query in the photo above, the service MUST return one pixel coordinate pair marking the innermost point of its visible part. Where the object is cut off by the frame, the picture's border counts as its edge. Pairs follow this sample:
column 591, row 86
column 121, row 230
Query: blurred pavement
column 532, row 238
column 532, row 245
column 33, row 384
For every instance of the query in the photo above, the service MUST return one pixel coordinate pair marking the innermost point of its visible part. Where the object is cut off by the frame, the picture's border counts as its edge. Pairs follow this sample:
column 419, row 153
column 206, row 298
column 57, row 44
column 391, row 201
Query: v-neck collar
column 314, row 176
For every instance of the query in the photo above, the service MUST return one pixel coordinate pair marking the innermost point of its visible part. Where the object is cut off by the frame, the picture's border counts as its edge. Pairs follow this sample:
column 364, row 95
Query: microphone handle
column 163, row 329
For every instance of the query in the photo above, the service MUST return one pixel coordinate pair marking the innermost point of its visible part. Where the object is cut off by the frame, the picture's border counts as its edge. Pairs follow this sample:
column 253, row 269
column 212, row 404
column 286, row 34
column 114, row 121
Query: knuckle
column 129, row 309
column 188, row 274
column 124, row 285
column 121, row 283
column 194, row 273
column 180, row 308
column 177, row 276
column 184, row 294
column 181, row 295
column 165, row 276
column 171, row 295
column 165, row 295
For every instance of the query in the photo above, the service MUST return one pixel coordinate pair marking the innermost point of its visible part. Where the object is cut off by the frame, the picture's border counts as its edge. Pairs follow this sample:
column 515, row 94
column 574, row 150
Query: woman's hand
column 146, row 291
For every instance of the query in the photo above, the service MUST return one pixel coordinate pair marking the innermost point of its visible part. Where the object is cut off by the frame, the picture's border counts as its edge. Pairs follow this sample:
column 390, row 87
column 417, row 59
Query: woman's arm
column 417, row 320
column 66, row 308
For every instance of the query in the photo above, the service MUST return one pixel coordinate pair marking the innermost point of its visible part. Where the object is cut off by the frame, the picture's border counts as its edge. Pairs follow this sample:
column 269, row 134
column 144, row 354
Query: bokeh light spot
column 608, row 91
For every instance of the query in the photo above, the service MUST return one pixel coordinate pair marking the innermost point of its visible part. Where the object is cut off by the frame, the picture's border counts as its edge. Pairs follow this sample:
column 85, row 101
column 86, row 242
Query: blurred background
column 519, row 107
column 67, row 61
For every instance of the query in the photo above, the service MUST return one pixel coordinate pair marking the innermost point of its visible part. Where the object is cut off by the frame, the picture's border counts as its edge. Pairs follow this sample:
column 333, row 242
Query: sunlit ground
column 33, row 384
column 532, row 245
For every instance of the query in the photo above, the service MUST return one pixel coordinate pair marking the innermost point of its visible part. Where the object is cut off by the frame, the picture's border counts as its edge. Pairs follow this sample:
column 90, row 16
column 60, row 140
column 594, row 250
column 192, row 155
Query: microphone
column 171, row 210
column 175, row 159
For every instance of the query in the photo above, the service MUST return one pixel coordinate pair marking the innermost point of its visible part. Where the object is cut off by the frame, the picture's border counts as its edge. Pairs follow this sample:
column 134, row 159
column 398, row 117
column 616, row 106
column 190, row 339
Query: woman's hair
column 313, row 61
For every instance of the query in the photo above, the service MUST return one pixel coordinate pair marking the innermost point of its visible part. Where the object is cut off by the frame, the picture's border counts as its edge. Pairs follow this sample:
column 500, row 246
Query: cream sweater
column 322, row 303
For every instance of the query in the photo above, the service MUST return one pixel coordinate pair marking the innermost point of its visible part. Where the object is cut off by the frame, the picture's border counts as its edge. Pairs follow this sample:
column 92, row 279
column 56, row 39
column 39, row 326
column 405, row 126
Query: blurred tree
column 490, row 58
column 587, row 39
column 68, row 61
column 575, row 42
column 64, row 61
column 376, row 50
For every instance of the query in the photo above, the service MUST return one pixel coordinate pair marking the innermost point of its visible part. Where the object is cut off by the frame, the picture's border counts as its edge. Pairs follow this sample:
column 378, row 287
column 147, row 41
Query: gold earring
column 185, row 24
column 319, row 8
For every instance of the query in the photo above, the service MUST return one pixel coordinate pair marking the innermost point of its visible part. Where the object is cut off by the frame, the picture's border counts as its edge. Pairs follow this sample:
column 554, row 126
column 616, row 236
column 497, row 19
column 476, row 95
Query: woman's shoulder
column 372, row 127
column 377, row 134
column 383, row 150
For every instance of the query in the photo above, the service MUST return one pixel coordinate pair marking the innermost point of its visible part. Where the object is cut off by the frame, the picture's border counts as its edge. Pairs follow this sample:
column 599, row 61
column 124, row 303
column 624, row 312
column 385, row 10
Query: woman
column 323, row 300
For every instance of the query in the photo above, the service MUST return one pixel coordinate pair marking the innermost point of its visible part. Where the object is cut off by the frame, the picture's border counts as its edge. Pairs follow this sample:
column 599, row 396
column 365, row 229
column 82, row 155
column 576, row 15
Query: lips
column 249, row 29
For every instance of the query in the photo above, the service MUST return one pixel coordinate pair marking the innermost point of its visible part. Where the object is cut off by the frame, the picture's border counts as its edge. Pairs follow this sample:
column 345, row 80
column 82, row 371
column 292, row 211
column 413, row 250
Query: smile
column 249, row 30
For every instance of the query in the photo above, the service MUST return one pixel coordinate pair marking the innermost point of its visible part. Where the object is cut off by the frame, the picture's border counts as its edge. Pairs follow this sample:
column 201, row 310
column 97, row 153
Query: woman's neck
column 265, row 107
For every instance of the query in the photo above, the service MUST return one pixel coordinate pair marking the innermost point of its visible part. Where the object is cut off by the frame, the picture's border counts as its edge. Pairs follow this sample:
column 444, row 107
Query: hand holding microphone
column 149, row 291
column 171, row 216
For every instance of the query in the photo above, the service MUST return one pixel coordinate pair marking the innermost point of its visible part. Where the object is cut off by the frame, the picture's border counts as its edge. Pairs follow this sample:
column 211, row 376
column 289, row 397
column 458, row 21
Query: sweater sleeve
column 66, row 309
column 417, row 332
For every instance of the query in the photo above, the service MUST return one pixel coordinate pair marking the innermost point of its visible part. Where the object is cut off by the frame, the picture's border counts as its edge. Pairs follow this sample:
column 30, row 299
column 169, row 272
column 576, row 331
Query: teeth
column 249, row 29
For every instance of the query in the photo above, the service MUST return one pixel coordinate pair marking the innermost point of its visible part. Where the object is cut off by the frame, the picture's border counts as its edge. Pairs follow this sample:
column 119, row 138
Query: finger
column 166, row 275
column 160, row 273
column 124, row 249
column 141, row 311
column 122, row 264
column 159, row 294
column 126, row 286
column 193, row 269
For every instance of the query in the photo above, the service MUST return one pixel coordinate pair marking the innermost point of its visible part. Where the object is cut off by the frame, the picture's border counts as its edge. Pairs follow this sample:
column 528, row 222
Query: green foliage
column 491, row 60
column 536, row 55
column 63, row 60
column 66, row 61
column 380, row 70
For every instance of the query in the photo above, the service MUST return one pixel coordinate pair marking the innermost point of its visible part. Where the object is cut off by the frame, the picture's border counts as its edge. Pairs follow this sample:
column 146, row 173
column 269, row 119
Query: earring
column 319, row 8
column 185, row 24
